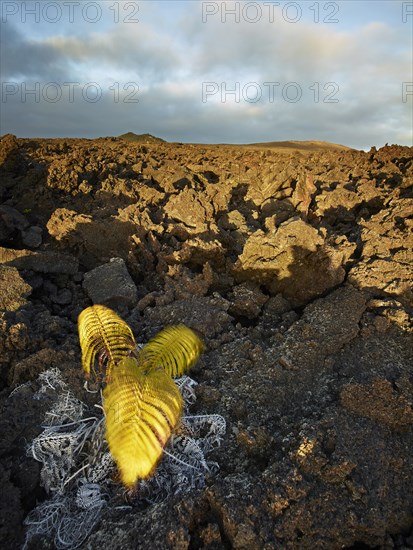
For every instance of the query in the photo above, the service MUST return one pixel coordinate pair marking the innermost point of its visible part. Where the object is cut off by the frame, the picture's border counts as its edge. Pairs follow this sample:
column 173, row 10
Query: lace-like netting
column 78, row 471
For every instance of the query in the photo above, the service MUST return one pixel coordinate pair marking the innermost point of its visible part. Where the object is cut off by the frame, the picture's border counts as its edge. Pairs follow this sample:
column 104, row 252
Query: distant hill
column 141, row 138
column 305, row 146
column 311, row 146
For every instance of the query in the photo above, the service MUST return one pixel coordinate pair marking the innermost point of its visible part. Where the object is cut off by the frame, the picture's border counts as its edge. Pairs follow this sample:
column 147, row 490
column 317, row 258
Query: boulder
column 296, row 260
column 110, row 284
column 188, row 208
column 13, row 289
column 44, row 262
column 206, row 314
column 11, row 221
column 247, row 300
column 100, row 240
column 32, row 237
column 385, row 266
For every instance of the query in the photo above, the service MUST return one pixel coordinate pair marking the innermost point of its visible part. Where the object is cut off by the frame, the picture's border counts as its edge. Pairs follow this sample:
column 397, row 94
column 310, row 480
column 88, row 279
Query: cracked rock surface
column 295, row 269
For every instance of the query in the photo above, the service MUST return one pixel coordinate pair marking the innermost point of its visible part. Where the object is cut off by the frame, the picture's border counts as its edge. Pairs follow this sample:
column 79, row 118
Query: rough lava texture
column 296, row 269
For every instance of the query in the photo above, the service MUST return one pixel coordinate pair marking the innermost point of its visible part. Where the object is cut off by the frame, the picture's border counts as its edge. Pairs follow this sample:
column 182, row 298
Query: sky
column 209, row 72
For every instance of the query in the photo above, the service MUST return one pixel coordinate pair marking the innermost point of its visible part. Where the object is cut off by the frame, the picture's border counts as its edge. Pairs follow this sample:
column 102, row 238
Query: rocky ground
column 295, row 268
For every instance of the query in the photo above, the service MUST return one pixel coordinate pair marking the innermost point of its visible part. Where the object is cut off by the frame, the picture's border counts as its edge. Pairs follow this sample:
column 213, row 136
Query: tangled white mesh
column 77, row 467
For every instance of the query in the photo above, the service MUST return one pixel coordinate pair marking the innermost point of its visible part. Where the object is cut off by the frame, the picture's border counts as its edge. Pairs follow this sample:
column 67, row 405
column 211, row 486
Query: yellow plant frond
column 175, row 349
column 141, row 408
column 104, row 337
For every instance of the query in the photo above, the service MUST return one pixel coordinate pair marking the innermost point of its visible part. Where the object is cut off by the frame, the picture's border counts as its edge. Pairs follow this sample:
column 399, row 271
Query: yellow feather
column 175, row 348
column 142, row 404
column 101, row 330
column 141, row 408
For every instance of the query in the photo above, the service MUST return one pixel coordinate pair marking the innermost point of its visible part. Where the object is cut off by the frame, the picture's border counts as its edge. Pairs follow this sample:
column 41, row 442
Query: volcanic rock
column 110, row 284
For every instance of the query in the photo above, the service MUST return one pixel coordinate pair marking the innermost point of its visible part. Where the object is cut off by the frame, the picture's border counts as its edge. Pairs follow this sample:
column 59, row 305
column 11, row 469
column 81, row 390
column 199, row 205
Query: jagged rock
column 387, row 276
column 140, row 217
column 303, row 193
column 44, row 262
column 100, row 239
column 233, row 220
column 180, row 283
column 198, row 251
column 189, row 208
column 110, row 284
column 338, row 205
column 11, row 220
column 32, row 237
column 277, row 212
column 9, row 146
column 246, row 300
column 318, row 451
column 379, row 402
column 277, row 305
column 295, row 260
column 264, row 187
column 10, row 507
column 386, row 261
column 206, row 314
column 34, row 364
column 327, row 324
column 13, row 289
column 219, row 196
column 63, row 297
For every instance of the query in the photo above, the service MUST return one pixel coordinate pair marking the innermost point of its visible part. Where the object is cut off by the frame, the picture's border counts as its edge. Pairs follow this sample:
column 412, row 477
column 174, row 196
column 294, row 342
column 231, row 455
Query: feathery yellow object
column 104, row 337
column 141, row 409
column 176, row 349
column 142, row 403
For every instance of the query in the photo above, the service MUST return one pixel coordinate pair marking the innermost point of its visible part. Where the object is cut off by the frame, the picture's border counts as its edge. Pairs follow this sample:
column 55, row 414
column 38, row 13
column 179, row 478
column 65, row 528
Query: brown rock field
column 294, row 266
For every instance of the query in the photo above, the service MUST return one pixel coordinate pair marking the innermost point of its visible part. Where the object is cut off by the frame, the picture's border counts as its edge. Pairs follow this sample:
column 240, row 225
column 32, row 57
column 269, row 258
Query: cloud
column 23, row 58
column 144, row 53
column 171, row 53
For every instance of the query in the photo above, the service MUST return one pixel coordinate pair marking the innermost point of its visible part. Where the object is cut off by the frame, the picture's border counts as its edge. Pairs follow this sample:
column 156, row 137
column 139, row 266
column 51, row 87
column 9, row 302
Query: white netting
column 78, row 469
column 66, row 409
column 187, row 388
column 50, row 379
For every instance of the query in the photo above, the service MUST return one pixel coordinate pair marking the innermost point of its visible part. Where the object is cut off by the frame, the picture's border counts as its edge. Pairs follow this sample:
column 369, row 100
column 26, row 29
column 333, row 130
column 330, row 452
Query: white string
column 68, row 449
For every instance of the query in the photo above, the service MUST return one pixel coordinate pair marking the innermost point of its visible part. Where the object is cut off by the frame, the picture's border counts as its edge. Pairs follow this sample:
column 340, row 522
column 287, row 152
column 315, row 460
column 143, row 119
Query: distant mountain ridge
column 306, row 145
column 141, row 138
